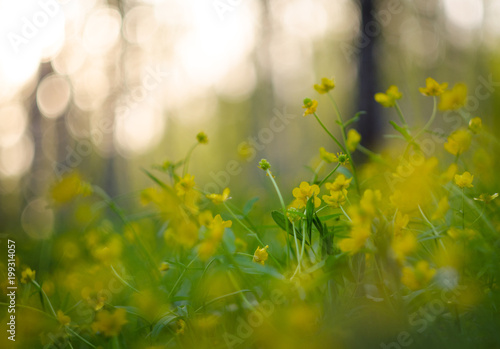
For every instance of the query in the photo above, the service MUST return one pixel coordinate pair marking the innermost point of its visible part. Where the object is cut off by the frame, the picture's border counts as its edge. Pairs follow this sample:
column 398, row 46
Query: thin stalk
column 401, row 116
column 431, row 120
column 328, row 176
column 186, row 161
column 330, row 134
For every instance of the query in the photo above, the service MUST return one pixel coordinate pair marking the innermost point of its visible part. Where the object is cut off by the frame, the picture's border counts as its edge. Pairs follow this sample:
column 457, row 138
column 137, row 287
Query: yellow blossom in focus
column 326, row 156
column 110, row 324
column 340, row 183
column 475, row 125
column 185, row 185
column 453, row 99
column 464, row 180
column 388, row 99
column 310, row 106
column 433, row 88
column 303, row 193
column 219, row 198
column 62, row 318
column 27, row 275
column 443, row 207
column 325, row 86
column 336, row 198
column 486, row 198
column 261, row 255
column 458, row 142
column 418, row 277
column 353, row 139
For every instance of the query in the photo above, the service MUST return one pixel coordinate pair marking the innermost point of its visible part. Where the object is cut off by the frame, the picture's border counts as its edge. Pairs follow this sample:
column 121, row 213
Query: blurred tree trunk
column 369, row 125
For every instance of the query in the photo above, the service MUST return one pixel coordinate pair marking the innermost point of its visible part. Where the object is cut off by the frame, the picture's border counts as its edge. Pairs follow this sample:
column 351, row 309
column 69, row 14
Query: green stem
column 463, row 208
column 431, row 120
column 330, row 134
column 188, row 157
column 328, row 176
column 401, row 116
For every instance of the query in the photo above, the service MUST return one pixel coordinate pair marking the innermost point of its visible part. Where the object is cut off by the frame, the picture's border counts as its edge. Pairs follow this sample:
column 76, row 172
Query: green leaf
column 248, row 206
column 280, row 220
column 160, row 325
column 309, row 217
column 155, row 179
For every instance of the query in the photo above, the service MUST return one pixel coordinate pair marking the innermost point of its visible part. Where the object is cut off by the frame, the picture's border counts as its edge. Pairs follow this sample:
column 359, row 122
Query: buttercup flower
column 336, row 198
column 110, row 324
column 303, row 193
column 464, row 180
column 185, row 185
column 27, row 275
column 340, row 183
column 260, row 256
column 181, row 326
column 418, row 277
column 310, row 106
column 219, row 198
column 475, row 125
column 388, row 99
column 62, row 318
column 433, row 88
column 453, row 99
column 342, row 158
column 442, row 208
column 458, row 142
column 325, row 86
column 400, row 222
column 353, row 139
column 326, row 156
column 164, row 266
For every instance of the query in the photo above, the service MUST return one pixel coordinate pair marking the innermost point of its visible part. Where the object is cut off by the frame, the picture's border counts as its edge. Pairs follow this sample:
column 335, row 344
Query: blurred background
column 109, row 87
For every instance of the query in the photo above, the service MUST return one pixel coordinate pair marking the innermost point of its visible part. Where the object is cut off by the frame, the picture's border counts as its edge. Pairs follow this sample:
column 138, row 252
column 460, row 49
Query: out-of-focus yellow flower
column 205, row 218
column 303, row 193
column 403, row 245
column 325, row 86
column 464, row 180
column 456, row 233
column 202, row 138
column 303, row 319
column 240, row 244
column 336, row 198
column 388, row 99
column 27, row 275
column 62, row 318
column 218, row 225
column 443, row 207
column 353, row 139
column 458, row 142
column 184, row 232
column 475, row 125
column 453, row 99
column 208, row 246
column 369, row 201
column 433, row 88
column 110, row 324
column 185, row 185
column 400, row 222
column 205, row 322
column 418, row 277
column 340, row 183
column 486, row 198
column 310, row 106
column 360, row 231
column 260, row 256
column 69, row 187
column 207, row 249
column 246, row 151
column 449, row 174
column 326, row 156
column 164, row 266
column 181, row 327
column 219, row 198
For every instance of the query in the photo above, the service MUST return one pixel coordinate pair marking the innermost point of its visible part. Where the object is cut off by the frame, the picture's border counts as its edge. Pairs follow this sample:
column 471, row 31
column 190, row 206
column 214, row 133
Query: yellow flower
column 456, row 233
column 218, row 225
column 442, row 208
column 110, row 324
column 205, row 218
column 185, row 185
column 458, row 142
column 400, row 222
column 310, row 106
column 260, row 255
column 325, row 86
column 369, row 201
column 63, row 319
column 340, row 183
column 464, row 180
column 360, row 232
column 336, row 198
column 486, row 198
column 433, row 88
column 27, row 275
column 218, row 198
column 453, row 99
column 353, row 139
column 388, row 99
column 303, row 193
column 326, row 156
column 403, row 245
column 475, row 125
column 449, row 174
column 181, row 326
column 69, row 187
column 164, row 266
column 207, row 249
column 202, row 138
column 418, row 277
column 184, row 232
